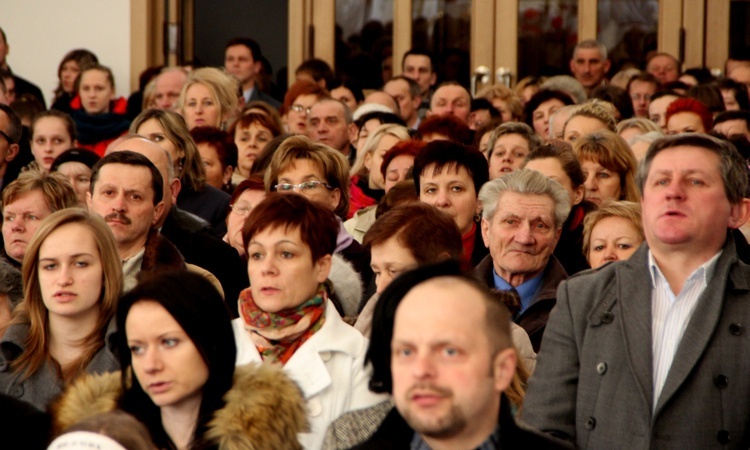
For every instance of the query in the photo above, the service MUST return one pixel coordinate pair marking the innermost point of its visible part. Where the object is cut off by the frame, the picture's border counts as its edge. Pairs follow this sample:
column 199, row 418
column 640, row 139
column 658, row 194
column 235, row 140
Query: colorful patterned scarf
column 278, row 335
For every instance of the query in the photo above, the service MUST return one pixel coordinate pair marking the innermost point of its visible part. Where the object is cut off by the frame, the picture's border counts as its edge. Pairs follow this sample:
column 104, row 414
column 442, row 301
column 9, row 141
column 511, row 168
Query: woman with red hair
column 688, row 115
column 297, row 103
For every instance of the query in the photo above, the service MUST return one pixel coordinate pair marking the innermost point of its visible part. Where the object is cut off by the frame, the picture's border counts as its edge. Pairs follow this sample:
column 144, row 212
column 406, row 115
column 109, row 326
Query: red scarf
column 278, row 335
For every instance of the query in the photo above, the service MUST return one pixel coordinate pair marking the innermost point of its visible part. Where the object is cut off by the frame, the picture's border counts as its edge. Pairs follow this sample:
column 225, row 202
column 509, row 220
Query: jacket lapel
column 634, row 296
column 700, row 327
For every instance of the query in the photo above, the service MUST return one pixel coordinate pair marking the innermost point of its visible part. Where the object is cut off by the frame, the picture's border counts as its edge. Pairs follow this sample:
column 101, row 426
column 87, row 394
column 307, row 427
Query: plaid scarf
column 278, row 335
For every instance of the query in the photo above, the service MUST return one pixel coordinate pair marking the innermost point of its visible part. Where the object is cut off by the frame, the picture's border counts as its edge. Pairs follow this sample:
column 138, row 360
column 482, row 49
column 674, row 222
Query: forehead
column 588, row 53
column 511, row 139
column 396, row 86
column 304, row 165
column 125, row 176
column 328, row 108
column 156, row 154
column 686, row 158
column 642, row 85
column 33, row 199
column 417, row 61
column 443, row 308
column 525, row 205
column 199, row 90
column 239, row 50
column 662, row 60
column 48, row 123
column 735, row 124
column 449, row 172
column 452, row 92
column 170, row 79
column 94, row 76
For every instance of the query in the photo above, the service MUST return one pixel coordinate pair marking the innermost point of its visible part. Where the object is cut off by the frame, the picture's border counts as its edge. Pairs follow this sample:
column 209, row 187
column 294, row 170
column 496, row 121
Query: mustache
column 441, row 391
column 117, row 216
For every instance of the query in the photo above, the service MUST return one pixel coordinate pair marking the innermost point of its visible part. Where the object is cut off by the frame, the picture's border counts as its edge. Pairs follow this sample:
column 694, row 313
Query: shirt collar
column 526, row 290
column 705, row 271
column 491, row 443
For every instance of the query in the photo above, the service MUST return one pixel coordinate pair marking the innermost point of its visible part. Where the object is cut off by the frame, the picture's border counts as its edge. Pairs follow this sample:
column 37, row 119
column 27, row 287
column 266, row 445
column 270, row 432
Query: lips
column 159, row 387
column 64, row 296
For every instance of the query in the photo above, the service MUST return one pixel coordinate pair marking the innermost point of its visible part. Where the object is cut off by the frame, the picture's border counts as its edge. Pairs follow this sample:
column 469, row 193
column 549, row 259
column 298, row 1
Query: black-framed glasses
column 307, row 186
column 7, row 138
column 299, row 108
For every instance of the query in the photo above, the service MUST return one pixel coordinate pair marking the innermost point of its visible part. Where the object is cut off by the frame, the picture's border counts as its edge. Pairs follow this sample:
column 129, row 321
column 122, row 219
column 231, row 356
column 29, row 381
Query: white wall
column 41, row 32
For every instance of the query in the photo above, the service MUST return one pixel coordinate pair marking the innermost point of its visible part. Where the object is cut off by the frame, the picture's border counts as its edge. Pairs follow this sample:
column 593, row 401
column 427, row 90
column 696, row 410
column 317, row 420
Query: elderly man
column 589, row 64
column 127, row 191
column 522, row 217
column 330, row 122
column 451, row 98
column 407, row 94
column 651, row 352
column 441, row 346
column 242, row 58
column 167, row 87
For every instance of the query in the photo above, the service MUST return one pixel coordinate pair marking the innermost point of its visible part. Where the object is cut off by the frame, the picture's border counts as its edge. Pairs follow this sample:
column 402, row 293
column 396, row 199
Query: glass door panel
column 628, row 28
column 364, row 30
column 547, row 34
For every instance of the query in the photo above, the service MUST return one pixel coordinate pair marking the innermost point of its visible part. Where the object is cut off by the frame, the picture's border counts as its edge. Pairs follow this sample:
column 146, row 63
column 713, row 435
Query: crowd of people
column 557, row 264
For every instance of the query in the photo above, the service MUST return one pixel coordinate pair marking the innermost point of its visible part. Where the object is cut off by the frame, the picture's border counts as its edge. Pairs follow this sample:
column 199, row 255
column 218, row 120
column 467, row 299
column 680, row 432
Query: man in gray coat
column 652, row 352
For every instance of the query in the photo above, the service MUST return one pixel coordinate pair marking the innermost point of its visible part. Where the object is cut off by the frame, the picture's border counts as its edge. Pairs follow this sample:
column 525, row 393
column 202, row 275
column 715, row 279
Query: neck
column 472, row 436
column 515, row 279
column 128, row 249
column 412, row 120
column 249, row 84
column 244, row 172
column 67, row 335
column 677, row 266
column 180, row 421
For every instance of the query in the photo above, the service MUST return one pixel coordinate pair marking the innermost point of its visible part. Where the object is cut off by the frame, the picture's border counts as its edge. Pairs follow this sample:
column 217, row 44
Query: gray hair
column 567, row 84
column 563, row 112
column 649, row 137
column 348, row 116
column 525, row 181
column 732, row 166
column 639, row 123
column 592, row 43
column 518, row 128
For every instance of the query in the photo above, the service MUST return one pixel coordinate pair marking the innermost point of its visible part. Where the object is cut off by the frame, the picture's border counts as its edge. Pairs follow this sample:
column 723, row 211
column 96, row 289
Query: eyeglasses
column 7, row 138
column 307, row 186
column 299, row 108
column 241, row 210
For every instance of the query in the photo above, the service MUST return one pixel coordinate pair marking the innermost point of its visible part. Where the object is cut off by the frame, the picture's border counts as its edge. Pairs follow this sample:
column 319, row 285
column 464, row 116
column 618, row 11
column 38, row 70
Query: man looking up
column 242, row 58
column 589, row 64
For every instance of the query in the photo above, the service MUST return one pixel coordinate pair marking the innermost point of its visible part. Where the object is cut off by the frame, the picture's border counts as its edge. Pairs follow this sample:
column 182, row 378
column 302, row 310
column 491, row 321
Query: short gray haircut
column 348, row 116
column 649, row 137
column 525, row 181
column 567, row 84
column 518, row 128
column 592, row 43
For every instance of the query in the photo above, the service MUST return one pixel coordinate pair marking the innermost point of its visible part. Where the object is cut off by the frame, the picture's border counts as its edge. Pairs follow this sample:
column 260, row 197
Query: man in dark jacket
column 441, row 345
column 522, row 217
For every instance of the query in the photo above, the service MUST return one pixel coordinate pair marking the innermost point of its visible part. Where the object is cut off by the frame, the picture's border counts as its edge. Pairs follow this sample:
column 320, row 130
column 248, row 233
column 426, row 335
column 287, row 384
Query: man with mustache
column 522, row 217
column 127, row 191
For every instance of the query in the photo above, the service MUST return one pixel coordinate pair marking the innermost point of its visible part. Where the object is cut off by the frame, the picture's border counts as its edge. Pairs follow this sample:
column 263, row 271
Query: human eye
column 49, row 266
column 29, row 217
column 136, row 196
column 314, row 122
column 82, row 263
column 136, row 349
column 538, row 116
column 697, row 182
column 157, row 137
column 170, row 342
column 287, row 255
column 402, row 352
column 542, row 226
column 284, row 187
column 597, row 248
column 624, row 246
column 9, row 217
column 332, row 120
column 208, row 102
column 192, row 103
column 58, row 141
column 451, row 352
column 83, row 179
column 520, row 154
column 457, row 188
column 429, row 190
column 603, row 174
column 309, row 185
column 40, row 140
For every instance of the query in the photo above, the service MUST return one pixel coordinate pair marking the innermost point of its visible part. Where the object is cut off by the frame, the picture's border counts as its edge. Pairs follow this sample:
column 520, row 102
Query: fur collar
column 347, row 285
column 160, row 254
column 264, row 408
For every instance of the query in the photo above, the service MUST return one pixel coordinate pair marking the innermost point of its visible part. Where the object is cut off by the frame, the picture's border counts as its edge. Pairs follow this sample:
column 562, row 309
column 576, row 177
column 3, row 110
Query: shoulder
column 87, row 396
column 354, row 427
column 264, row 409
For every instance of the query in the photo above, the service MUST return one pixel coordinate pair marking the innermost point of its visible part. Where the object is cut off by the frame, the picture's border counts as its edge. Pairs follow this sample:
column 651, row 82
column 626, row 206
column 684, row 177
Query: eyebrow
column 76, row 255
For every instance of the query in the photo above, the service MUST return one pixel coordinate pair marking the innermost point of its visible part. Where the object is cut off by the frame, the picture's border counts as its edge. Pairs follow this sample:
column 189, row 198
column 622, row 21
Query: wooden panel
column 297, row 37
column 717, row 34
column 693, row 15
column 670, row 21
column 482, row 21
column 506, row 37
column 324, row 21
column 188, row 30
column 587, row 19
column 401, row 32
column 140, row 40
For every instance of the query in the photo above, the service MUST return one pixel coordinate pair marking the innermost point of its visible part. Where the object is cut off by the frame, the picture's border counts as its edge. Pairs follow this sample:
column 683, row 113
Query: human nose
column 65, row 278
column 381, row 282
column 674, row 191
column 423, row 366
column 523, row 234
column 441, row 199
column 152, row 362
column 268, row 266
column 590, row 183
column 610, row 254
column 118, row 203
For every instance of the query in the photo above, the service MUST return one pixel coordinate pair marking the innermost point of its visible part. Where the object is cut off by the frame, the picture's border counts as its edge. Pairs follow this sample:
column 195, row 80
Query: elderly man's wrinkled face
column 521, row 235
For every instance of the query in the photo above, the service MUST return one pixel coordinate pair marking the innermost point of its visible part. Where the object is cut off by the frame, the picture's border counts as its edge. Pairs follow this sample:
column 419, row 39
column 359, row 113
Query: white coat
column 329, row 369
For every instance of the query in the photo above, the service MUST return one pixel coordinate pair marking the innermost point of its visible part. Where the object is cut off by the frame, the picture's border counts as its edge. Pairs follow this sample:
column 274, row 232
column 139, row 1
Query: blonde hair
column 624, row 209
column 398, row 131
column 613, row 153
column 34, row 313
column 639, row 123
column 506, row 94
column 332, row 164
column 597, row 109
column 224, row 89
column 57, row 192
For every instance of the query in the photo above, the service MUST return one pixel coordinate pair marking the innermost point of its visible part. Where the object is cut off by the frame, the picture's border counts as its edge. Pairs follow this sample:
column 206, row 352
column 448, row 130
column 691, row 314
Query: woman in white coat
column 286, row 316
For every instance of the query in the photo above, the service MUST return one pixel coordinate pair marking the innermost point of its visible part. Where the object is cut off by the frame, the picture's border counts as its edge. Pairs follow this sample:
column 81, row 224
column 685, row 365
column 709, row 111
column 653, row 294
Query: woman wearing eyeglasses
column 320, row 173
column 297, row 103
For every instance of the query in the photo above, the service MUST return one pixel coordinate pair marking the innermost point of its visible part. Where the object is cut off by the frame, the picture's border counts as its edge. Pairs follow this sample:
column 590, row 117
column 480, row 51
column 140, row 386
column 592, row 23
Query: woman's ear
column 322, row 268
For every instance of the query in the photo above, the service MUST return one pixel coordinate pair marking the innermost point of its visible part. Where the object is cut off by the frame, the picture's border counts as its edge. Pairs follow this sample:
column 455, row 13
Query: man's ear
column 353, row 132
column 740, row 213
column 175, row 186
column 158, row 211
column 486, row 232
column 12, row 152
column 88, row 200
column 504, row 368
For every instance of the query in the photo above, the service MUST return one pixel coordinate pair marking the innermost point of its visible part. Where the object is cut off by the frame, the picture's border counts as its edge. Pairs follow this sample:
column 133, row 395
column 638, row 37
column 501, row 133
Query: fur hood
column 347, row 285
column 264, row 408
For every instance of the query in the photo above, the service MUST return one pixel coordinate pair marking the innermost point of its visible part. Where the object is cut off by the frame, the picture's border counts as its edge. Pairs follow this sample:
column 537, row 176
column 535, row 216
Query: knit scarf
column 278, row 335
